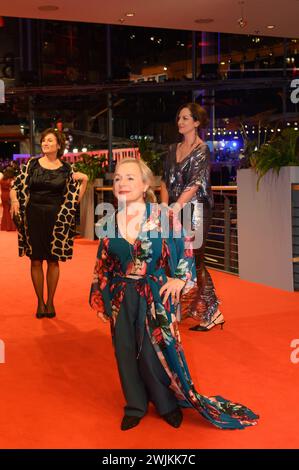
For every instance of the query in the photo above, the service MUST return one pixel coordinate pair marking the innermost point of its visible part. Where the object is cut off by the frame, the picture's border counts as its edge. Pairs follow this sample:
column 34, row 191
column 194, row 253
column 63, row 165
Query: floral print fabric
column 159, row 256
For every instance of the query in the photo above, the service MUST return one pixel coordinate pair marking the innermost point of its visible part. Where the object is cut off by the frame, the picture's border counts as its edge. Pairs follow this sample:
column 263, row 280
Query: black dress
column 46, row 189
column 202, row 303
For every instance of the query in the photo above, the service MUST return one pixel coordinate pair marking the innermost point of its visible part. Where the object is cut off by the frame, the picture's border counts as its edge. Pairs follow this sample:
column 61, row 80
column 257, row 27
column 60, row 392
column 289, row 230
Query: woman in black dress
column 45, row 195
column 186, row 178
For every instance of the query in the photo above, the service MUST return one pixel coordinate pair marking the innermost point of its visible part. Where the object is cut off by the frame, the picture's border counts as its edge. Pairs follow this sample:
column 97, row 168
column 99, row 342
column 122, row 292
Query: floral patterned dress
column 159, row 255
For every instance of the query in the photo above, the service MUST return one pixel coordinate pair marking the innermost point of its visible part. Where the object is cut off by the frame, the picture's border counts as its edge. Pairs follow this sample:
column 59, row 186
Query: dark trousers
column 142, row 379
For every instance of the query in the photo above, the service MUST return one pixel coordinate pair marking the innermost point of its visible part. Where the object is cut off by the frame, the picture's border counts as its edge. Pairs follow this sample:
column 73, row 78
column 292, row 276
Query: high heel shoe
column 40, row 314
column 210, row 325
column 51, row 313
column 129, row 422
column 174, row 418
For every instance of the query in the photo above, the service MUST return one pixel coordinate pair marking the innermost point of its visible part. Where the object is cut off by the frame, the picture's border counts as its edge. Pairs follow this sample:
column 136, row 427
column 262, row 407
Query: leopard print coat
column 64, row 228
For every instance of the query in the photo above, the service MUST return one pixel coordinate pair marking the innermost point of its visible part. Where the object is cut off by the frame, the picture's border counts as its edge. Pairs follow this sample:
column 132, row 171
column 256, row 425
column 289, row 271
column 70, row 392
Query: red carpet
column 59, row 385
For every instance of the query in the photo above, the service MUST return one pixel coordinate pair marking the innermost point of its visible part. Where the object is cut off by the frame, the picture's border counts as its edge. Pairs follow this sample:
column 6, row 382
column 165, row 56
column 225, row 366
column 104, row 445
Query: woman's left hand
column 172, row 287
column 78, row 176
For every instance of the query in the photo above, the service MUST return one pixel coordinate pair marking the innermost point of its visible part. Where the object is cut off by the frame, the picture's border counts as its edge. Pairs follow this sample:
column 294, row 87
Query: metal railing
column 222, row 242
column 117, row 154
column 295, row 234
column 71, row 157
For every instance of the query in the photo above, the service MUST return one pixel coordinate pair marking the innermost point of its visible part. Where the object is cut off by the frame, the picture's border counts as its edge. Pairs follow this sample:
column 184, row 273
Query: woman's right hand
column 102, row 316
column 14, row 208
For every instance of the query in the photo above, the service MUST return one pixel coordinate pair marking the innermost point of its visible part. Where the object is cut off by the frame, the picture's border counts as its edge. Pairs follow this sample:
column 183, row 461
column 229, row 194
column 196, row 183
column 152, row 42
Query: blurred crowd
column 8, row 171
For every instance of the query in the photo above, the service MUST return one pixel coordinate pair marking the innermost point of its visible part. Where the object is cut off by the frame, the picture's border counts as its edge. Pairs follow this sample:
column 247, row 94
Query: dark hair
column 60, row 137
column 198, row 113
column 8, row 173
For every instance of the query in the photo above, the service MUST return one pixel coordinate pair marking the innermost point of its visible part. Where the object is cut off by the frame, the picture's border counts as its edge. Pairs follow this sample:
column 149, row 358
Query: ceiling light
column 48, row 8
column 270, row 26
column 203, row 20
column 130, row 14
column 242, row 22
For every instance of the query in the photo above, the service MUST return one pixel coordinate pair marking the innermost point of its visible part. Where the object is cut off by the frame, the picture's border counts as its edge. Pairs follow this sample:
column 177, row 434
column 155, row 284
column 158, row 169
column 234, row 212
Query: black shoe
column 211, row 325
column 129, row 422
column 50, row 314
column 174, row 417
column 40, row 315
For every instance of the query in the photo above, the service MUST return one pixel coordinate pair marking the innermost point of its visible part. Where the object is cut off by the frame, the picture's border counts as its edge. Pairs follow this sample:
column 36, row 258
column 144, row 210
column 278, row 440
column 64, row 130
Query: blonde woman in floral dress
column 141, row 270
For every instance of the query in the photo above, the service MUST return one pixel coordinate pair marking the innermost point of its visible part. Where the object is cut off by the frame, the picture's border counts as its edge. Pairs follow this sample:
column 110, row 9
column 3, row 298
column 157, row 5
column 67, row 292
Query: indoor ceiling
column 228, row 16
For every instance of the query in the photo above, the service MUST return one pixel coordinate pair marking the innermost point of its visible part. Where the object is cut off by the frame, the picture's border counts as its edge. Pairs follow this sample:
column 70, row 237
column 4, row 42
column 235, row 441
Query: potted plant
column 281, row 151
column 152, row 155
column 266, row 211
column 94, row 168
column 250, row 146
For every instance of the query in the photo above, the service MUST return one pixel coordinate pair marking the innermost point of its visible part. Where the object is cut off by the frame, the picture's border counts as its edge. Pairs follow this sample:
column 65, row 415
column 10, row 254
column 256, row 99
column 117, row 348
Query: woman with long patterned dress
column 142, row 267
column 45, row 195
column 186, row 179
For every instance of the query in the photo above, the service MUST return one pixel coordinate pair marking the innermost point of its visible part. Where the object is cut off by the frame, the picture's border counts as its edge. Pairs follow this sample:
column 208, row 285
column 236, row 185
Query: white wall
column 265, row 227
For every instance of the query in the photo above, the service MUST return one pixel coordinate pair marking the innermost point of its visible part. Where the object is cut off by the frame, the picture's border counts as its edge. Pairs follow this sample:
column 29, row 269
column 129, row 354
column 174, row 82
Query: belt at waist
column 134, row 277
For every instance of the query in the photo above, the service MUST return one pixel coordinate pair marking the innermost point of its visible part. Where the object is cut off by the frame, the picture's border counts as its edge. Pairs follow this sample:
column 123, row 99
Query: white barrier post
column 2, row 92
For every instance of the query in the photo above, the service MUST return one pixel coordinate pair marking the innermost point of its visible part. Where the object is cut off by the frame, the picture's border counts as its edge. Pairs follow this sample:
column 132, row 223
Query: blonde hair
column 147, row 176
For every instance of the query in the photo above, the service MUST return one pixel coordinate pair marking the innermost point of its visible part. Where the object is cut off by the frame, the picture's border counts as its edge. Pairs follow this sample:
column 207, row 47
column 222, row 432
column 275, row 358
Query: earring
column 144, row 194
